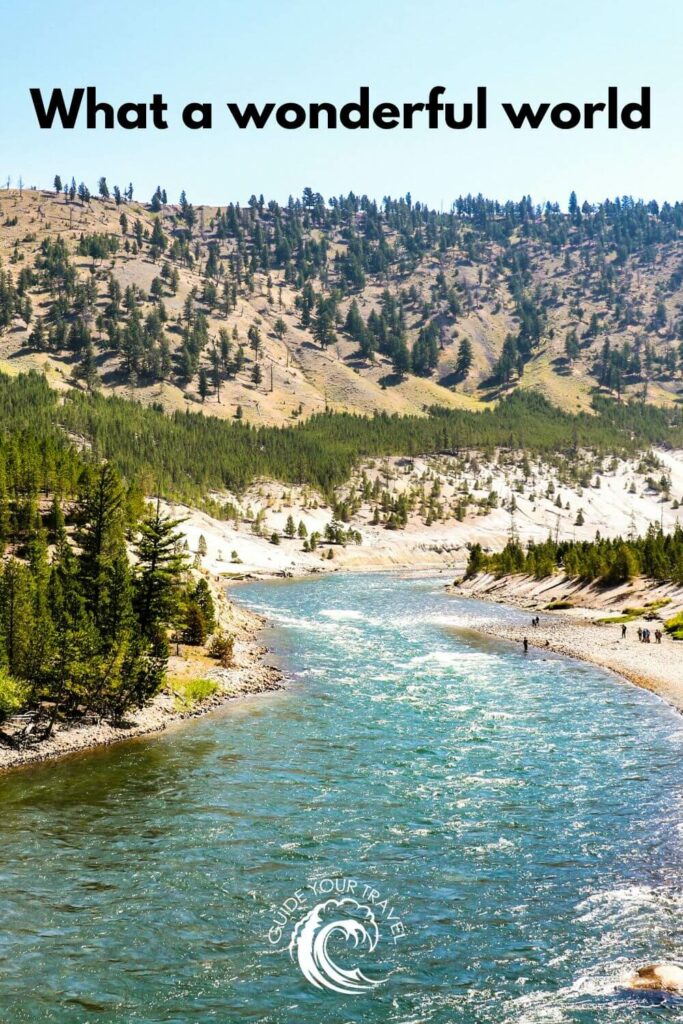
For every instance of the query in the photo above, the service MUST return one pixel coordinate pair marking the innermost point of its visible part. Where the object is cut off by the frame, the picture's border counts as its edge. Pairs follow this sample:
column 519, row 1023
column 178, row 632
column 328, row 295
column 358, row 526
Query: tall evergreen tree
column 100, row 536
column 160, row 570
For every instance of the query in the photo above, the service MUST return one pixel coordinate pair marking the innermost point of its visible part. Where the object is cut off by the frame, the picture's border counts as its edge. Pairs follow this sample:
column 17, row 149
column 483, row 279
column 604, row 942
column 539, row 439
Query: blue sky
column 301, row 50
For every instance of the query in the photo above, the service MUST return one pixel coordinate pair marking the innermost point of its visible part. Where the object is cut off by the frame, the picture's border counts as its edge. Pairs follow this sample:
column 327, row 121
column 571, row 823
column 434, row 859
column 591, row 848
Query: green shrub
column 223, row 648
column 12, row 695
column 674, row 626
column 189, row 692
column 628, row 615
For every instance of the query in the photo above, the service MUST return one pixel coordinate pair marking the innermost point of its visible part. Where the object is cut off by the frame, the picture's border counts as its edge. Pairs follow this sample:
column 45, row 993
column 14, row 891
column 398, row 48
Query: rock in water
column 659, row 978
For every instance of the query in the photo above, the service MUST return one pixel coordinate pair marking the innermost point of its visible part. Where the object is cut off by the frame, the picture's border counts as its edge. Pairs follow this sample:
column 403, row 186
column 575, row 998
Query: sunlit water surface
column 522, row 814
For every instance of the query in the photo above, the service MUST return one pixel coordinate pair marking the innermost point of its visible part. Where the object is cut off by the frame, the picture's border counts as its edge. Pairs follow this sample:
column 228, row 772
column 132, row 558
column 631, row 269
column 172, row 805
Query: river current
column 505, row 830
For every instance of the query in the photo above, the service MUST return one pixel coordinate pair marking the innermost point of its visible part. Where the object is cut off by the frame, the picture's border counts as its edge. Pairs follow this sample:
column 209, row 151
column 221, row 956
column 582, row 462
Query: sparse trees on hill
column 480, row 257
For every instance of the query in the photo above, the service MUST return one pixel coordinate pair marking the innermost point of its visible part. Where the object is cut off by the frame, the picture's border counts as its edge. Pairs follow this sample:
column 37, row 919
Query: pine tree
column 5, row 518
column 201, row 595
column 159, row 571
column 100, row 537
column 401, row 359
column 464, row 361
column 203, row 384
column 38, row 337
column 16, row 614
column 195, row 630
column 323, row 324
column 87, row 368
column 254, row 336
column 354, row 324
column 571, row 346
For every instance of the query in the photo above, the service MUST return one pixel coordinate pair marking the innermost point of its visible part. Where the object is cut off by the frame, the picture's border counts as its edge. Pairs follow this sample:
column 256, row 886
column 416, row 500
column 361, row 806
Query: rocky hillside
column 429, row 511
column 272, row 312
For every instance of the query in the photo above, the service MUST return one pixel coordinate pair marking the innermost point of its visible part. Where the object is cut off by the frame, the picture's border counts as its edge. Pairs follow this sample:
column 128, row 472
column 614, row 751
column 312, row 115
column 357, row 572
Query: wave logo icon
column 329, row 924
column 356, row 924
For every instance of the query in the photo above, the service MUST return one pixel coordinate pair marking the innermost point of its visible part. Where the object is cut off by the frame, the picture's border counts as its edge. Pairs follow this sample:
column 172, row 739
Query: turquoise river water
column 507, row 829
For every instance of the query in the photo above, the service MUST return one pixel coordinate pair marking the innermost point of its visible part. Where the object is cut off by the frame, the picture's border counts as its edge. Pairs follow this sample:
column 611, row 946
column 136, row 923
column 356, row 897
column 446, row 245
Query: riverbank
column 575, row 631
column 248, row 675
column 572, row 631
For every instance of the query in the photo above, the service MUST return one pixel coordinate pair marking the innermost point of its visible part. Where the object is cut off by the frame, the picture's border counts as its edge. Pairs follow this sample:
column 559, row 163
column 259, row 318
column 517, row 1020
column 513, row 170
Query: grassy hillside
column 275, row 313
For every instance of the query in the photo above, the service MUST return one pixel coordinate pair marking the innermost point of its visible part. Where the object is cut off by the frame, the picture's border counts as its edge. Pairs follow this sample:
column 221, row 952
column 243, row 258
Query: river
column 506, row 828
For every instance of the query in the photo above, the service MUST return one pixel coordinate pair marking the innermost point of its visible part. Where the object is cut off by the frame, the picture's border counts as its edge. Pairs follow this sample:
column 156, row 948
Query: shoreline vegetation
column 576, row 619
column 584, row 621
column 195, row 685
column 579, row 620
column 613, row 592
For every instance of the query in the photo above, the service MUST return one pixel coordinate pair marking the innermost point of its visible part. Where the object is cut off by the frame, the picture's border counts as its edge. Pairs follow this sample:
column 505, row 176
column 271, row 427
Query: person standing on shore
column 525, row 642
column 623, row 631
